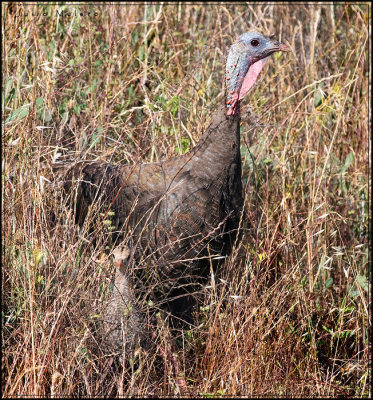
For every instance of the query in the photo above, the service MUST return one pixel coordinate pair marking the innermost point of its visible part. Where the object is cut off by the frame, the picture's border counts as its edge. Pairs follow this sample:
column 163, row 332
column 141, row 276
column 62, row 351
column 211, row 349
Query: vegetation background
column 135, row 82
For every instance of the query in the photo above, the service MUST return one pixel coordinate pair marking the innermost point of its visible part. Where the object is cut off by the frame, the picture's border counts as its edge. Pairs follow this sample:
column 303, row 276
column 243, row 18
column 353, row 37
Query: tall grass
column 290, row 311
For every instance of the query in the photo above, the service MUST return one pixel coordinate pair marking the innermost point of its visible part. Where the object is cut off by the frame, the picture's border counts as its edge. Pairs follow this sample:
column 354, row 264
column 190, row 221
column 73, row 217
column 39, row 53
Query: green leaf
column 328, row 330
column 175, row 102
column 20, row 113
column 141, row 53
column 349, row 160
column 7, row 87
column 77, row 109
column 8, row 93
column 185, row 145
column 39, row 101
column 363, row 282
column 328, row 283
column 95, row 139
column 318, row 99
column 352, row 292
column 11, row 95
column 266, row 161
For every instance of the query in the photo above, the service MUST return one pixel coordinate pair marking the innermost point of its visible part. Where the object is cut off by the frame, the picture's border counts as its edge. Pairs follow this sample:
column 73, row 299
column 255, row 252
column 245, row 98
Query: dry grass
column 290, row 313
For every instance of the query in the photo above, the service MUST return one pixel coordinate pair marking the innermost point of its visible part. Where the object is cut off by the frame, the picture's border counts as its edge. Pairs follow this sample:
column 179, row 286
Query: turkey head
column 246, row 59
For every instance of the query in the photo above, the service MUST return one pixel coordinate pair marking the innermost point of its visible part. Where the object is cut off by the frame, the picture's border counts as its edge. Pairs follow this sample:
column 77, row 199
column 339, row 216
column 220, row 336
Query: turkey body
column 173, row 209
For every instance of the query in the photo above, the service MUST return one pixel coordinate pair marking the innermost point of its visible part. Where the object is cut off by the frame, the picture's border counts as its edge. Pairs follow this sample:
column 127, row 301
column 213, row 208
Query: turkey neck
column 219, row 148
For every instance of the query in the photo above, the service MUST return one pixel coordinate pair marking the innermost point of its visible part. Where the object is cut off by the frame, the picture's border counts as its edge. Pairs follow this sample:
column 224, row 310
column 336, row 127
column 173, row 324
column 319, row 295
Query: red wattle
column 252, row 76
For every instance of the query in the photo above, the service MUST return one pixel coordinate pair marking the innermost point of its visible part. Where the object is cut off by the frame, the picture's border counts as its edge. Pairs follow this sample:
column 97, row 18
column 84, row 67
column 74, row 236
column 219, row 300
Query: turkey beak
column 274, row 46
column 281, row 46
column 284, row 47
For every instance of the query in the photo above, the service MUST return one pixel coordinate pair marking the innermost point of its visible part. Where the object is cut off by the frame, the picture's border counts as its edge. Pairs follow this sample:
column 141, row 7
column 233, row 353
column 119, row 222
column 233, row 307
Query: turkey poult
column 178, row 213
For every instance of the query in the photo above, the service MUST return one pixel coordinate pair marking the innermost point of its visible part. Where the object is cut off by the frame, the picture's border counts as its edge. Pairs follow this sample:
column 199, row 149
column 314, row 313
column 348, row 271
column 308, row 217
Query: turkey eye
column 255, row 42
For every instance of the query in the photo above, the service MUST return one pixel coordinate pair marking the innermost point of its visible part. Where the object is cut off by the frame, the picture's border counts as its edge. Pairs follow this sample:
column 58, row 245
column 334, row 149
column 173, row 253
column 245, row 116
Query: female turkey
column 175, row 213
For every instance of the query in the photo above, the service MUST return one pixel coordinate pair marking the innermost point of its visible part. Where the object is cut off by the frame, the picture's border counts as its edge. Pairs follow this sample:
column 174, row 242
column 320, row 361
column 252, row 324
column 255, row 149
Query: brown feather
column 177, row 206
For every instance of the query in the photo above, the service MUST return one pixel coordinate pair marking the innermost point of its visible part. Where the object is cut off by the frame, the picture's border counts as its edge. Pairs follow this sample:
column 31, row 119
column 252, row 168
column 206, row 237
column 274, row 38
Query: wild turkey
column 185, row 209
